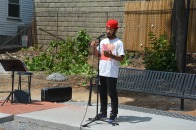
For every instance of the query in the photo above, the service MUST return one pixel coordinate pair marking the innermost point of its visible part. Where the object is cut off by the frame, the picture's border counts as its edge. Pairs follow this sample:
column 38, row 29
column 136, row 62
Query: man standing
column 111, row 52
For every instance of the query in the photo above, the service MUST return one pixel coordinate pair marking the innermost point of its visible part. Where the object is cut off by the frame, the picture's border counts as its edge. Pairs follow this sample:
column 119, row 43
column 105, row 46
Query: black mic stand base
column 91, row 121
column 98, row 119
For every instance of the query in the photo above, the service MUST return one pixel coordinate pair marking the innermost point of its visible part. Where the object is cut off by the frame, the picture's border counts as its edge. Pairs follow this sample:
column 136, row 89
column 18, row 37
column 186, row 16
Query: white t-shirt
column 109, row 67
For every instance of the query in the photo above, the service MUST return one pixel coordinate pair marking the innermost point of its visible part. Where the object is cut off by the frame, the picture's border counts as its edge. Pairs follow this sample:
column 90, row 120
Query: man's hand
column 94, row 43
column 108, row 54
column 94, row 47
column 115, row 57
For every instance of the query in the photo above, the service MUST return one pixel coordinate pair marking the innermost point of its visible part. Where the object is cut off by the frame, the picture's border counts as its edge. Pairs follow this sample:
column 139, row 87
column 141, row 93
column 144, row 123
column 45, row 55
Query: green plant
column 160, row 56
column 71, row 58
column 39, row 63
column 83, row 84
column 126, row 60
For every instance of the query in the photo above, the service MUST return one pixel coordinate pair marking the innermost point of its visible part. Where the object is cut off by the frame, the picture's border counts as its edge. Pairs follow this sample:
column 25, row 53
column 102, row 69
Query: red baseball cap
column 112, row 23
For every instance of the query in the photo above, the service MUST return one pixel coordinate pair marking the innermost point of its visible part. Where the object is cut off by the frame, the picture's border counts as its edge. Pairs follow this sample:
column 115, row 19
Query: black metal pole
column 97, row 78
column 12, row 86
column 90, row 92
column 97, row 85
column 185, row 41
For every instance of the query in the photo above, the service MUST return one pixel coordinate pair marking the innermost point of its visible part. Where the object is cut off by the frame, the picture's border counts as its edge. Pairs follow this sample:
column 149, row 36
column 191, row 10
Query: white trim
column 14, row 18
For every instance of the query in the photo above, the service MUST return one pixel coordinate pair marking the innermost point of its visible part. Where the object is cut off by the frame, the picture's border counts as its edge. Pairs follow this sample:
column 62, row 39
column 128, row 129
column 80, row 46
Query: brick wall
column 66, row 17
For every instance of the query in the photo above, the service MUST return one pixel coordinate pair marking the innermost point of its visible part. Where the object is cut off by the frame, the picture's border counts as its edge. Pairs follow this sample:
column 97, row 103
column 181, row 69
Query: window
column 14, row 8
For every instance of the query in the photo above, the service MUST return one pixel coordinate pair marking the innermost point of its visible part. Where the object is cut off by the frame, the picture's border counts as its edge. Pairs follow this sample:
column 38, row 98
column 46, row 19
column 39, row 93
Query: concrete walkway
column 70, row 117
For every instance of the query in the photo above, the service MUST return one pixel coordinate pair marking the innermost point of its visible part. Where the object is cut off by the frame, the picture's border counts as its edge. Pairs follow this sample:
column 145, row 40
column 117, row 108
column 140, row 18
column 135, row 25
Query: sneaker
column 102, row 116
column 112, row 117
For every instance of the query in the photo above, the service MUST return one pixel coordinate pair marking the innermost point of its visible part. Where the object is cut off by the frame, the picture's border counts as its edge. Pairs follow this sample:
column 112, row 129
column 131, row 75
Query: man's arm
column 118, row 58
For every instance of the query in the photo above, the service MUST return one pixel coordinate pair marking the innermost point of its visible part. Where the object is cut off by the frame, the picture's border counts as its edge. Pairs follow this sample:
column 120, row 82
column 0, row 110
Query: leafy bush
column 160, row 56
column 126, row 60
column 71, row 58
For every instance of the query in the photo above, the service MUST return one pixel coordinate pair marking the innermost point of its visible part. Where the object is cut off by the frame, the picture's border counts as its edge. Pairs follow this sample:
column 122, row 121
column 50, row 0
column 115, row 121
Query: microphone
column 103, row 34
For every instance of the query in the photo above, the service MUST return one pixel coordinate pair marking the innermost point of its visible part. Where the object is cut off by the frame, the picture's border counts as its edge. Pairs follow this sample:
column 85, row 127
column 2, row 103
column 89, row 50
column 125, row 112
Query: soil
column 80, row 92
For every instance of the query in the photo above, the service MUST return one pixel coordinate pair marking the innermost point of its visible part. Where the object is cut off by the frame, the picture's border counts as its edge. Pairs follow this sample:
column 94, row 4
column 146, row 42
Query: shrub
column 160, row 56
column 71, row 58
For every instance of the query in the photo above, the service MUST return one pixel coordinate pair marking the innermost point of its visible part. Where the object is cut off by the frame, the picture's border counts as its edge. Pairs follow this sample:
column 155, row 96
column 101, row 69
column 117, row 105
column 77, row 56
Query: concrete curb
column 6, row 117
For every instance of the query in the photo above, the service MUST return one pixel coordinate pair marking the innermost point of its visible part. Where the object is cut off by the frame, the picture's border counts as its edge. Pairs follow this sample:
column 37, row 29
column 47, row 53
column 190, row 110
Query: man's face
column 110, row 32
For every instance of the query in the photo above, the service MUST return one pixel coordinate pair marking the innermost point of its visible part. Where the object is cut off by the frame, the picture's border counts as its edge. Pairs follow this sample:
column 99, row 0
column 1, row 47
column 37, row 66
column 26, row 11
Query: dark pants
column 108, row 86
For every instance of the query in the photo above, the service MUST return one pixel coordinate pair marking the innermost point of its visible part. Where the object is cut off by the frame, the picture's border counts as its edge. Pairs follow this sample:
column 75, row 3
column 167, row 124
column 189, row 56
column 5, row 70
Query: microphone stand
column 96, row 118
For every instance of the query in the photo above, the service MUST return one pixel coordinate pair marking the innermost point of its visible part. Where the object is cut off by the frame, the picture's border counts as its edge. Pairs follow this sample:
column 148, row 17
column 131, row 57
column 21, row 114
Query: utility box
column 24, row 40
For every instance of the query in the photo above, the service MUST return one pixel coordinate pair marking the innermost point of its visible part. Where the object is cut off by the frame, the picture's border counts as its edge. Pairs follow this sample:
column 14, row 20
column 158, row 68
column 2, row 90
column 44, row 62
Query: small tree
column 160, row 56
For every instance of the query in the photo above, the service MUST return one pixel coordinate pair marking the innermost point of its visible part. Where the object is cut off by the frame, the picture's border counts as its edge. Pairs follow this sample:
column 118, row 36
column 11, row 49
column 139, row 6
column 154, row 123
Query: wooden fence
column 144, row 17
column 191, row 44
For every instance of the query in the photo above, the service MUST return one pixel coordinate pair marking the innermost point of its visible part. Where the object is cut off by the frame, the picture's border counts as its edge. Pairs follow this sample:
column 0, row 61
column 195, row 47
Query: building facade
column 14, row 15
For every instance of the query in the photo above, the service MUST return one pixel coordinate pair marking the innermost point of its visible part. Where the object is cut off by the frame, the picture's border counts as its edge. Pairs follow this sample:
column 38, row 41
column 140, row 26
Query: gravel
column 18, row 125
column 57, row 77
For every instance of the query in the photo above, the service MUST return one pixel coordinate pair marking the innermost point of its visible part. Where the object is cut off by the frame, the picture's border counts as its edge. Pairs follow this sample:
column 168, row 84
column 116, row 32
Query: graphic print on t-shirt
column 106, row 47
